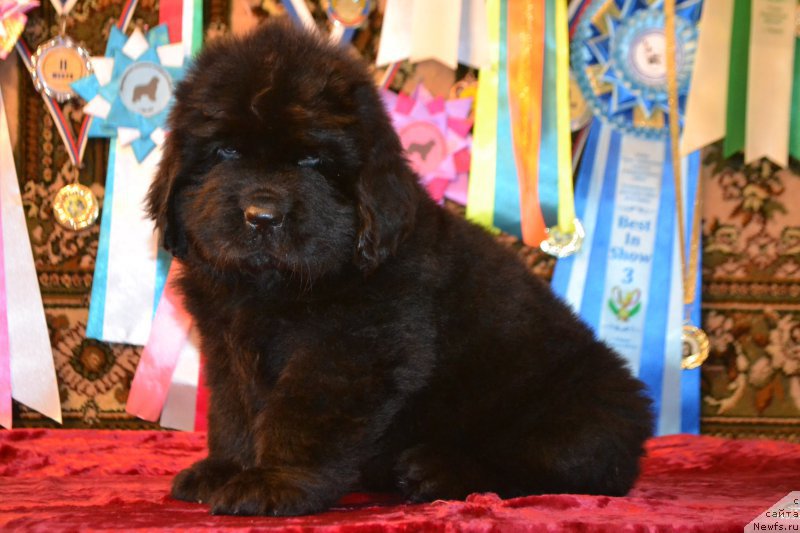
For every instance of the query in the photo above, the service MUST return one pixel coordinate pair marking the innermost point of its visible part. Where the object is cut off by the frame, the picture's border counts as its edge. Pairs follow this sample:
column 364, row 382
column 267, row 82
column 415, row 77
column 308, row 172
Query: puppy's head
column 281, row 158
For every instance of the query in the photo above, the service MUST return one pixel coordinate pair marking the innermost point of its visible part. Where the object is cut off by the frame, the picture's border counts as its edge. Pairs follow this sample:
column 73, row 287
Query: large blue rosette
column 627, row 283
column 130, row 94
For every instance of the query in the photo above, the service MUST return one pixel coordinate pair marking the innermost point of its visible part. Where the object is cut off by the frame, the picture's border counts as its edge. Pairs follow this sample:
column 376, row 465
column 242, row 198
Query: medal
column 75, row 207
column 695, row 347
column 348, row 13
column 560, row 244
column 57, row 63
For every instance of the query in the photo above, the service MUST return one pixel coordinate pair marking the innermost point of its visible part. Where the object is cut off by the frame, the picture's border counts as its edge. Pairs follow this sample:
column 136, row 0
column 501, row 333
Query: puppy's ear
column 160, row 201
column 388, row 195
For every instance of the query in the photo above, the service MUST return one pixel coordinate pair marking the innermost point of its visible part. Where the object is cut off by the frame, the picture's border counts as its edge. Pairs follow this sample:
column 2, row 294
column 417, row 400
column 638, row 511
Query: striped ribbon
column 586, row 278
column 168, row 384
column 521, row 178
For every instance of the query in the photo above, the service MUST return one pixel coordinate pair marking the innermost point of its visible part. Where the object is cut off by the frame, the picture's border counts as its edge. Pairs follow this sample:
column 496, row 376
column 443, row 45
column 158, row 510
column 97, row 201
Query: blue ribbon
column 594, row 293
column 97, row 306
column 651, row 365
column 506, row 196
column 548, row 150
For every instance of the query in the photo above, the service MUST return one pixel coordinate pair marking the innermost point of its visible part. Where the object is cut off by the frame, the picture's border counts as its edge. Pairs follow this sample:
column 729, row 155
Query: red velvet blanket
column 54, row 480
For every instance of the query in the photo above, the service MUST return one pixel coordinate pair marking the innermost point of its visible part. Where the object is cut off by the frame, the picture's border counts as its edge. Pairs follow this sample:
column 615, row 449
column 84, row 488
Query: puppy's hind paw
column 260, row 491
column 198, row 482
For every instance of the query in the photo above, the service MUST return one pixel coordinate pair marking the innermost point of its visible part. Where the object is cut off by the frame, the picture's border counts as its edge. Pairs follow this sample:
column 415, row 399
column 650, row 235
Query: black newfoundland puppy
column 357, row 336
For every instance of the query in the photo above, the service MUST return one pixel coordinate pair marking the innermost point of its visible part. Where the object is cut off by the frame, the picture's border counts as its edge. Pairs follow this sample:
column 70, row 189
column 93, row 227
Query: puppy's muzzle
column 263, row 215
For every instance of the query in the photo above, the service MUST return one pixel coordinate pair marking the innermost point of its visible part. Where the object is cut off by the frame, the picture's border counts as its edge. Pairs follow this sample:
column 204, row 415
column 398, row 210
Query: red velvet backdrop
column 55, row 480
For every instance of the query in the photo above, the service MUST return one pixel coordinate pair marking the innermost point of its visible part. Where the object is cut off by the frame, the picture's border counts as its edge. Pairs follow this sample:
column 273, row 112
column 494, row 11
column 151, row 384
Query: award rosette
column 626, row 282
column 129, row 94
column 436, row 136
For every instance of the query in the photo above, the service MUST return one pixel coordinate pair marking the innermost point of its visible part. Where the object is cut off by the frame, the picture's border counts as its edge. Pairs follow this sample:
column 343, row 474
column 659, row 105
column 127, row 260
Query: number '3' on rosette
column 626, row 281
column 129, row 94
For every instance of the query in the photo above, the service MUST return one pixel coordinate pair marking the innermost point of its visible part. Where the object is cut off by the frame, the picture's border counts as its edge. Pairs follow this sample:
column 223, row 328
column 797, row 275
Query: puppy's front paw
column 426, row 474
column 259, row 491
column 199, row 481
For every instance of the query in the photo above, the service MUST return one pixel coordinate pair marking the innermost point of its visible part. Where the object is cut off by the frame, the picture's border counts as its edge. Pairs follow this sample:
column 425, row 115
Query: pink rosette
column 436, row 136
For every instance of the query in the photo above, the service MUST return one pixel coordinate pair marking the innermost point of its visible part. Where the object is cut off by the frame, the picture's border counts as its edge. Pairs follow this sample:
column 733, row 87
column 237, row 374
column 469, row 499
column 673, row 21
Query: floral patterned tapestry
column 751, row 298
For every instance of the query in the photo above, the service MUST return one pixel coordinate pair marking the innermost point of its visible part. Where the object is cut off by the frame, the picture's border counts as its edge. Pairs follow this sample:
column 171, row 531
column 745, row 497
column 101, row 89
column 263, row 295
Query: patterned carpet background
column 751, row 273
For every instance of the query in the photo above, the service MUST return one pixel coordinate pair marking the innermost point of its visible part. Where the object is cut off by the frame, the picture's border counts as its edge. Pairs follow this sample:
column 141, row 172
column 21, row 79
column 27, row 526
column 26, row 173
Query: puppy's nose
column 263, row 216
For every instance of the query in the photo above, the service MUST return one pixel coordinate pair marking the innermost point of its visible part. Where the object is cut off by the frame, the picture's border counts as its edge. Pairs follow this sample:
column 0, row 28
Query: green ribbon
column 794, row 129
column 737, row 79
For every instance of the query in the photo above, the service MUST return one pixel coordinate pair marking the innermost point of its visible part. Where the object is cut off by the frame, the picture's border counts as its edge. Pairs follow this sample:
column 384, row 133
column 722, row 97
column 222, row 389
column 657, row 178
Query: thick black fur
column 358, row 336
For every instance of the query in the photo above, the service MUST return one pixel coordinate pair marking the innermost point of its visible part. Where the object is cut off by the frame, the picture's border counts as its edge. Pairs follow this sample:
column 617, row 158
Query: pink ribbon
column 168, row 335
column 201, row 409
column 5, row 351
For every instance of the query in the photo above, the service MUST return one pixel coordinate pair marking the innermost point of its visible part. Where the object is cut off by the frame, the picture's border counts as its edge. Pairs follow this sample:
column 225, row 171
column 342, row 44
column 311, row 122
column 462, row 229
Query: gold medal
column 56, row 64
column 695, row 347
column 75, row 207
column 348, row 13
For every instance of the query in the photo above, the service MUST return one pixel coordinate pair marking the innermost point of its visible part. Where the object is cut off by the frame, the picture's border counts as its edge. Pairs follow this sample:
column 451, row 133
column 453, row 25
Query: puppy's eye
column 226, row 153
column 309, row 162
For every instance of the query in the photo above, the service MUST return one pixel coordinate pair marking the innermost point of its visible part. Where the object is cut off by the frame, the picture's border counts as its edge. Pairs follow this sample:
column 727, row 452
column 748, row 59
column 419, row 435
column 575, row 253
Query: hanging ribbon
column 769, row 80
column 626, row 283
column 26, row 359
column 450, row 31
column 167, row 385
column 130, row 269
column 749, row 47
column 529, row 164
column 706, row 103
column 166, row 342
column 480, row 195
column 526, row 63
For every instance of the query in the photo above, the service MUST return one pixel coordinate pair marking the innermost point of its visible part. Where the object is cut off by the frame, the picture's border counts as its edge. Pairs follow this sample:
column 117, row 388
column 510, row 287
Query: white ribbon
column 33, row 376
column 707, row 102
column 450, row 31
column 133, row 250
column 769, row 80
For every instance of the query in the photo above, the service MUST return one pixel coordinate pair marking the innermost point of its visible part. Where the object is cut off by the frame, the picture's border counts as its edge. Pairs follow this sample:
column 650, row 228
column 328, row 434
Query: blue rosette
column 139, row 93
column 618, row 57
